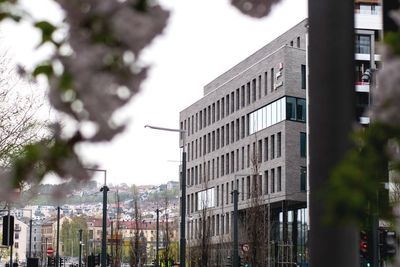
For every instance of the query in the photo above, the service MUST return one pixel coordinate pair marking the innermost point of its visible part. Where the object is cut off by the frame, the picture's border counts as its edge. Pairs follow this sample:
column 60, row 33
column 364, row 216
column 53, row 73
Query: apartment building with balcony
column 248, row 132
column 368, row 25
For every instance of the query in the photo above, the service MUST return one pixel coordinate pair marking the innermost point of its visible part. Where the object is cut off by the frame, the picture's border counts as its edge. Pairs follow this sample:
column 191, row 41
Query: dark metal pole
column 112, row 240
column 11, row 255
column 46, row 253
column 30, row 238
column 80, row 248
column 331, row 115
column 183, row 209
column 235, row 254
column 104, row 228
column 58, row 238
column 157, row 237
column 9, row 237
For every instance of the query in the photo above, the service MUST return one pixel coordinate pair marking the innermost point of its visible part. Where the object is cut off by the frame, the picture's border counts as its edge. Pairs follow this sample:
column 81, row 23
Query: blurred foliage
column 356, row 182
column 359, row 185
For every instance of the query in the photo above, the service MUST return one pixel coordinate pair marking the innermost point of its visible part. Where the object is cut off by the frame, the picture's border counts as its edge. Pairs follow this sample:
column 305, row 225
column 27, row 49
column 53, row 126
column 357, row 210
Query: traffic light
column 387, row 243
column 97, row 259
column 8, row 230
column 50, row 261
column 364, row 245
column 365, row 249
column 61, row 261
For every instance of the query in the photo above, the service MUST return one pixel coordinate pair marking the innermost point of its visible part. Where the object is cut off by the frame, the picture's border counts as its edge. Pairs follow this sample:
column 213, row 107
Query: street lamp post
column 58, row 238
column 182, row 249
column 104, row 189
column 157, row 236
column 80, row 248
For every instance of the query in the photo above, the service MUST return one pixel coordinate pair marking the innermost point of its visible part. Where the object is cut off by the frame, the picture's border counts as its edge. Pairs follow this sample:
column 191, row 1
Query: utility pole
column 80, row 248
column 58, row 238
column 30, row 237
column 235, row 254
column 9, row 237
column 104, row 189
column 182, row 248
column 331, row 84
column 183, row 208
column 157, row 236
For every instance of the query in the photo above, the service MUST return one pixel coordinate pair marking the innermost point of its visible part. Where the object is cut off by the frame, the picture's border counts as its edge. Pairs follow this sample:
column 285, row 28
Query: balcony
column 371, row 21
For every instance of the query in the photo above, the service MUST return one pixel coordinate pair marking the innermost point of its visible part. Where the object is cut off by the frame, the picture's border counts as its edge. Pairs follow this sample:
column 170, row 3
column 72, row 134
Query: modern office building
column 248, row 133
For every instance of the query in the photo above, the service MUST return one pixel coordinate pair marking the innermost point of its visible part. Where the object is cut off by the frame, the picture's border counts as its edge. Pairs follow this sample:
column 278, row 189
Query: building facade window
column 303, row 145
column 227, row 105
column 266, row 182
column 265, row 83
column 218, row 111
column 272, row 79
column 254, row 91
column 303, row 77
column 222, row 108
column 272, row 146
column 279, row 179
column 272, row 180
column 267, row 116
column 213, row 112
column 279, row 145
column 303, row 179
column 233, row 102
column 248, row 93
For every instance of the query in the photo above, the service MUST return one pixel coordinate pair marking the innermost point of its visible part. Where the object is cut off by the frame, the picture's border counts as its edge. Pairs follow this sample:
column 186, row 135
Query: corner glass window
column 290, row 108
column 301, row 110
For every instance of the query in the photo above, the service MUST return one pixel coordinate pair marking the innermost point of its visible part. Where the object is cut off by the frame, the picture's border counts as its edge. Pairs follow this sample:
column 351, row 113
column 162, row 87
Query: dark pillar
column 80, row 248
column 103, row 261
column 183, row 210
column 295, row 235
column 157, row 236
column 30, row 238
column 57, row 263
column 235, row 254
column 331, row 115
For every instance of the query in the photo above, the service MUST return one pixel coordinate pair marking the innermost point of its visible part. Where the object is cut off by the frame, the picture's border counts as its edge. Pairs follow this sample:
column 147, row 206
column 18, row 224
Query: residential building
column 248, row 133
column 368, row 24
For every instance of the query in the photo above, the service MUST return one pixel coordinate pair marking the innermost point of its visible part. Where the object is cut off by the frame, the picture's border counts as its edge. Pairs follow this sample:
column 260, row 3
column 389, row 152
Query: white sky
column 204, row 38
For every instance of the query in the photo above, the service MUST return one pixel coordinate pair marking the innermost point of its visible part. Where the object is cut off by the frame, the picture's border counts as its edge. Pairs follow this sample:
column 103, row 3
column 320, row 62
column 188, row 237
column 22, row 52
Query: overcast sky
column 203, row 39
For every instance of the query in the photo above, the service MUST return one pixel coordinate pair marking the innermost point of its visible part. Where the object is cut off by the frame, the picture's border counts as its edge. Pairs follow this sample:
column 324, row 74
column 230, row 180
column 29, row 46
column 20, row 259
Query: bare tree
column 200, row 247
column 138, row 242
column 20, row 106
column 255, row 216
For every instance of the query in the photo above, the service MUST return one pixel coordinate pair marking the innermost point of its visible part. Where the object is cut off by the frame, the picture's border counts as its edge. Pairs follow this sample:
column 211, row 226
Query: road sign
column 50, row 251
column 245, row 247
